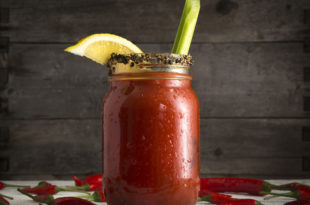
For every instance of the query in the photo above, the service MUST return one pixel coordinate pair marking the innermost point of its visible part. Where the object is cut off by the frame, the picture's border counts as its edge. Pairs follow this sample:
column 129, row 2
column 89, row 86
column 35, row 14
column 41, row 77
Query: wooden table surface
column 20, row 199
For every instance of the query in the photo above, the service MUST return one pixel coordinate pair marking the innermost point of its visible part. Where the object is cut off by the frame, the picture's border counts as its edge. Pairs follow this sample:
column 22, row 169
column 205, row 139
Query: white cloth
column 20, row 199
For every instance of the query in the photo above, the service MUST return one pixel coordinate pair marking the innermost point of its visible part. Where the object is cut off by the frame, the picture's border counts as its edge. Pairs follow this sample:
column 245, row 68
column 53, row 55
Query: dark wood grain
column 266, row 168
column 254, row 137
column 253, row 147
column 250, row 74
column 53, row 147
column 146, row 21
column 236, row 147
column 231, row 80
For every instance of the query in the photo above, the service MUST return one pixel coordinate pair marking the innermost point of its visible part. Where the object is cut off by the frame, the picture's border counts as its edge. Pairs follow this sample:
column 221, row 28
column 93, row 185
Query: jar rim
column 149, row 62
column 150, row 76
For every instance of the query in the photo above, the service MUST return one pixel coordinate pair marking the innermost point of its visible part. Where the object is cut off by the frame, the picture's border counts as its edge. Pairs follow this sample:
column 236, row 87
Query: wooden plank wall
column 251, row 74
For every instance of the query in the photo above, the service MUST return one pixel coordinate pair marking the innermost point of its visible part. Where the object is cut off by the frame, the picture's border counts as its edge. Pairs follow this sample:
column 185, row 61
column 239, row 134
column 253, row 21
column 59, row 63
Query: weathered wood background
column 252, row 77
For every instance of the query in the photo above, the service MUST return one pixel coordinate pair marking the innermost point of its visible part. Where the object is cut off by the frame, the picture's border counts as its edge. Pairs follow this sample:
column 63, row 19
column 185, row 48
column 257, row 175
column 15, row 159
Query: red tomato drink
column 151, row 135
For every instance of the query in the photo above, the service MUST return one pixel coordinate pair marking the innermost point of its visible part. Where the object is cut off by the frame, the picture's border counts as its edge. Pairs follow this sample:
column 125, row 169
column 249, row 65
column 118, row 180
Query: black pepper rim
column 153, row 58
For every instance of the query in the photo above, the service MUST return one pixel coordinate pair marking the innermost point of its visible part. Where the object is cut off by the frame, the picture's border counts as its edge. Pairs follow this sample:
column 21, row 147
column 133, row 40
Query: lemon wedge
column 99, row 47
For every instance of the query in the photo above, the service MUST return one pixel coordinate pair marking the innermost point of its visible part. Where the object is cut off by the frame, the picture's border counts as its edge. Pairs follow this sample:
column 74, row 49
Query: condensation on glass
column 150, row 131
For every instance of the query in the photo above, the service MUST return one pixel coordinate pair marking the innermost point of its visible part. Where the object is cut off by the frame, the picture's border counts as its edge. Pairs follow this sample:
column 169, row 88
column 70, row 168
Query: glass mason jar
column 151, row 131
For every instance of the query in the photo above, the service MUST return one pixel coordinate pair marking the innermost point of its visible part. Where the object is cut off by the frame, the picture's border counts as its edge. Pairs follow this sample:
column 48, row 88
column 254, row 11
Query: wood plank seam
column 306, row 74
column 306, row 129
column 4, row 48
column 4, row 15
column 307, row 17
column 4, row 135
column 306, row 49
column 306, row 134
column 306, row 163
column 4, row 164
column 307, row 31
column 307, row 103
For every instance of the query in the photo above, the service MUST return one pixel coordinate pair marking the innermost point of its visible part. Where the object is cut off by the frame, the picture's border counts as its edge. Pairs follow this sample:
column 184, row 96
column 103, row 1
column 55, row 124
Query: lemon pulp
column 99, row 47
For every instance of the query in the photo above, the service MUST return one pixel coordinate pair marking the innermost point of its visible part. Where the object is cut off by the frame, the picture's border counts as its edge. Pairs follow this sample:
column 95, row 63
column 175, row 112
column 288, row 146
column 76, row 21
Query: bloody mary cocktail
column 150, row 118
column 151, row 131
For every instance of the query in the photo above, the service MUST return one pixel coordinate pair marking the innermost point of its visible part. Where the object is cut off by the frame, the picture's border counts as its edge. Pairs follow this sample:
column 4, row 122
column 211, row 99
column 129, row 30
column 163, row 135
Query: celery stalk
column 186, row 28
